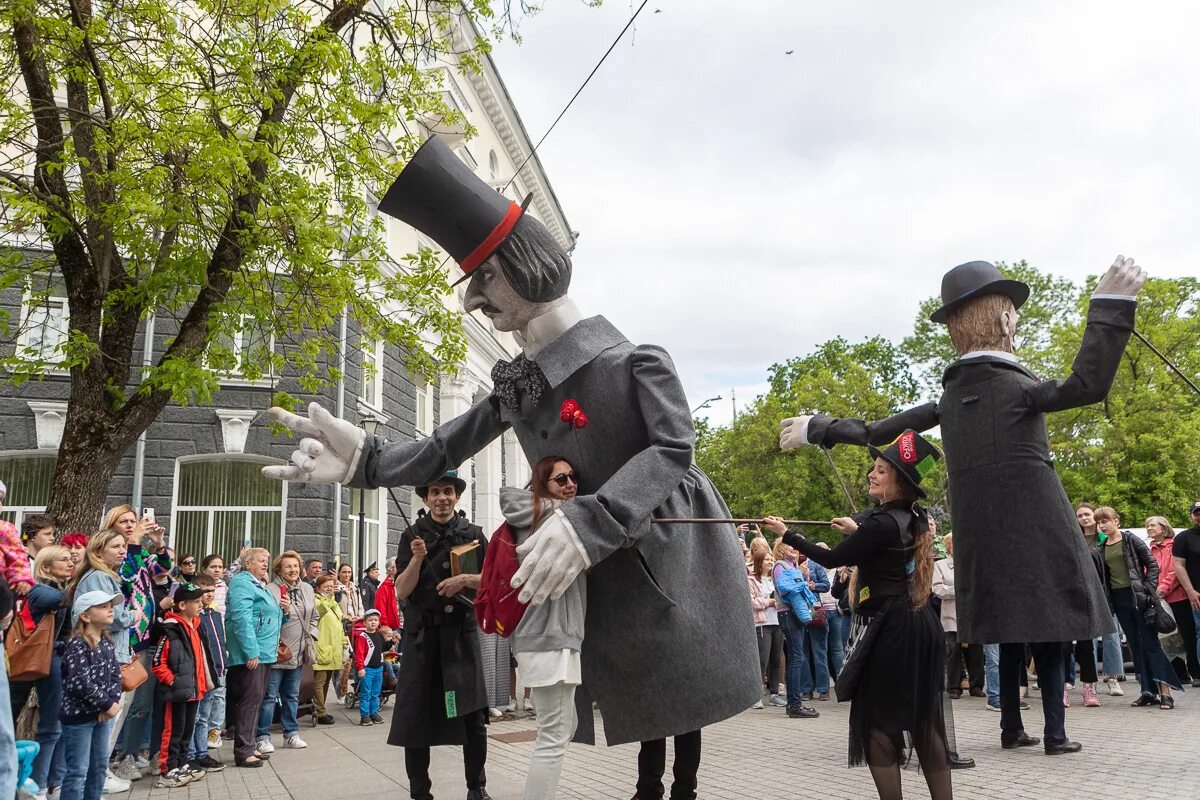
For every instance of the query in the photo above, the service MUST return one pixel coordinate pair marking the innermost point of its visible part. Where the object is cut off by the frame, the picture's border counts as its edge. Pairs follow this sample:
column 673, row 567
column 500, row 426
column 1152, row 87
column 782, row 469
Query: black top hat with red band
column 912, row 455
column 441, row 197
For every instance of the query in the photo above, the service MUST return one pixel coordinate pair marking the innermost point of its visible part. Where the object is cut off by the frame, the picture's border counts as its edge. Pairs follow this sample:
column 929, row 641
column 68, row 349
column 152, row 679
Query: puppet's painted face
column 490, row 293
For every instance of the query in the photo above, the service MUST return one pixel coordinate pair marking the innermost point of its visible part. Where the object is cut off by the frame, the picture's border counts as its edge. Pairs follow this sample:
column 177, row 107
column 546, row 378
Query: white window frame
column 369, row 355
column 235, row 377
column 423, row 394
column 210, row 510
column 20, row 512
column 380, row 510
column 27, row 340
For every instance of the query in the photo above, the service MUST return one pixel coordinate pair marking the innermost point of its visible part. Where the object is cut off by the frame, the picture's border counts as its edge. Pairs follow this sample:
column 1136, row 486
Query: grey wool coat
column 669, row 643
column 1022, row 569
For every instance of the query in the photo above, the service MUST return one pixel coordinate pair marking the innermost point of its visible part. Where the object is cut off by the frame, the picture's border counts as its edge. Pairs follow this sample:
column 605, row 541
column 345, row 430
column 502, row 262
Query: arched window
column 494, row 165
column 28, row 476
column 224, row 503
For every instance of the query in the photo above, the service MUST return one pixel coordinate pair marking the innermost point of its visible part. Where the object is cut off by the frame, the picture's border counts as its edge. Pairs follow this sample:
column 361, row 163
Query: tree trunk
column 92, row 446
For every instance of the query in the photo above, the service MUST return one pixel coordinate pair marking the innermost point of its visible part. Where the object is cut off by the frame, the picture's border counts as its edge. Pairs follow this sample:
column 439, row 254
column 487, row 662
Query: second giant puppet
column 669, row 642
column 1022, row 571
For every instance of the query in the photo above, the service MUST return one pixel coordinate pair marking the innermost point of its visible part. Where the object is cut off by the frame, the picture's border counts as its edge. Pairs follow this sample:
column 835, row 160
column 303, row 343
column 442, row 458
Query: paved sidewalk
column 1128, row 752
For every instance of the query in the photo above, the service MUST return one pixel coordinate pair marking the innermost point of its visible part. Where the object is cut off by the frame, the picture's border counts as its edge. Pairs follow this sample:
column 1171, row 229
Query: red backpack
column 496, row 605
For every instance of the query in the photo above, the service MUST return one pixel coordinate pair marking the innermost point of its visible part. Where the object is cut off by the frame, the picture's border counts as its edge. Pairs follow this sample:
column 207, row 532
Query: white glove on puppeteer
column 793, row 433
column 1124, row 279
column 329, row 451
column 550, row 560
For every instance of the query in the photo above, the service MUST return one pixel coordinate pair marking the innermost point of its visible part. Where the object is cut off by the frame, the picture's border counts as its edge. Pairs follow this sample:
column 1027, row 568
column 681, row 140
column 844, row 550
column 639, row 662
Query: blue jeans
column 8, row 740
column 198, row 744
column 369, row 687
column 839, row 630
column 216, row 717
column 816, row 677
column 49, row 690
column 86, row 757
column 793, row 647
column 282, row 685
column 135, row 737
column 991, row 673
column 1149, row 661
column 1110, row 652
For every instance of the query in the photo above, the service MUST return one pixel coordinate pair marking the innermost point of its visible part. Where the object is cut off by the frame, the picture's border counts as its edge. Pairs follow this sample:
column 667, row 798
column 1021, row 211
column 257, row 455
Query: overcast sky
column 739, row 205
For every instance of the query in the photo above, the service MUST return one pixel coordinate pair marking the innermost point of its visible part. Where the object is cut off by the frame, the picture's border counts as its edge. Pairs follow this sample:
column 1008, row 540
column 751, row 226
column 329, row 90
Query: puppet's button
column 445, row 565
column 545, row 435
column 448, row 609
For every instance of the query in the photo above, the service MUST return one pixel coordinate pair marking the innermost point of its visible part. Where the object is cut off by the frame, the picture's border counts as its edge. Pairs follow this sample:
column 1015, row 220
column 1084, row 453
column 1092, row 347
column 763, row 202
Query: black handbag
column 863, row 633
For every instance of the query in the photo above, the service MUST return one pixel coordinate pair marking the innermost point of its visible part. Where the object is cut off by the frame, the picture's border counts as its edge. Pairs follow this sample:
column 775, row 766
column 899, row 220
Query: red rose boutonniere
column 571, row 414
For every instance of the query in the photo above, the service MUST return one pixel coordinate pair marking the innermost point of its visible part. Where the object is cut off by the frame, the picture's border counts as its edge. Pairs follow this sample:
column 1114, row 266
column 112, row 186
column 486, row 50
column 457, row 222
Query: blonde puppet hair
column 975, row 325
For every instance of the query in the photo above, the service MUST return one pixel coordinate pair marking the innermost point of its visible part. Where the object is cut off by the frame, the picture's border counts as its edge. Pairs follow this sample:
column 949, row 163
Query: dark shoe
column 325, row 720
column 378, row 720
column 806, row 696
column 822, row 696
column 977, row 692
column 365, row 721
column 478, row 794
column 954, row 693
column 1196, row 682
column 253, row 761
column 262, row 756
column 1024, row 740
column 1024, row 706
column 209, row 764
column 958, row 762
column 1146, row 699
column 1061, row 749
column 803, row 712
column 1167, row 703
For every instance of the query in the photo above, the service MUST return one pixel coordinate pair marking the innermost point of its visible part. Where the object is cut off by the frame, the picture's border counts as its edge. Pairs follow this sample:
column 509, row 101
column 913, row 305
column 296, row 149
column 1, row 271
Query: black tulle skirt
column 898, row 702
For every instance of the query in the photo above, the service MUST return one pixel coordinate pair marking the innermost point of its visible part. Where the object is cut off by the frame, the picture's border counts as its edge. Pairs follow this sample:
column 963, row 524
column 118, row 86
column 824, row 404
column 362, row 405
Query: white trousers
column 556, row 725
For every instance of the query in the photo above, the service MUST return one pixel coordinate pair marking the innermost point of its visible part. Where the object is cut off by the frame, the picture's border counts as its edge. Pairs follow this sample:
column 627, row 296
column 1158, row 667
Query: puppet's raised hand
column 793, row 433
column 550, row 560
column 1123, row 279
column 329, row 451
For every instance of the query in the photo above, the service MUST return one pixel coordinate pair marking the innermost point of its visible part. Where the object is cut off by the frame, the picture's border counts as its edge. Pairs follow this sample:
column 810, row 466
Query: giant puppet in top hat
column 440, row 196
column 975, row 279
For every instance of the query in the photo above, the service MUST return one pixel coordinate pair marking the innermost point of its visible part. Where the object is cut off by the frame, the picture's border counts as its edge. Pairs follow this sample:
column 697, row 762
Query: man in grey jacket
column 668, row 607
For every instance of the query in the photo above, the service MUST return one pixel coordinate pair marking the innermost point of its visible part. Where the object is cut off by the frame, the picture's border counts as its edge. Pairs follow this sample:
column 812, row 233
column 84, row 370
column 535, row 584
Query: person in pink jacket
column 17, row 570
column 1162, row 539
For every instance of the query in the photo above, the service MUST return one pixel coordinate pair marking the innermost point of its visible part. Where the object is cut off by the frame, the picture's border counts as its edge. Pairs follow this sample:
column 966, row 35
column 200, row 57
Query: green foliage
column 1139, row 451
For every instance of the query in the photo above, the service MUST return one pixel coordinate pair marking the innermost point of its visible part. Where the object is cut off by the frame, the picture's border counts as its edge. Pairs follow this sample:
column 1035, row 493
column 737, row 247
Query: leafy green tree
column 207, row 162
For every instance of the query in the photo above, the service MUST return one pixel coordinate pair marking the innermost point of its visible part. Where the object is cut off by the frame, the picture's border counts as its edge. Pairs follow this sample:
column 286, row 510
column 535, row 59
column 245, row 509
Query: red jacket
column 388, row 606
column 366, row 651
column 1168, row 581
column 180, row 662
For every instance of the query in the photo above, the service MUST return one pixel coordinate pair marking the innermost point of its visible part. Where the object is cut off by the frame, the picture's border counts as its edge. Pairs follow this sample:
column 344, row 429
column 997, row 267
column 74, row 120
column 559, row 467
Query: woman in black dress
column 896, row 662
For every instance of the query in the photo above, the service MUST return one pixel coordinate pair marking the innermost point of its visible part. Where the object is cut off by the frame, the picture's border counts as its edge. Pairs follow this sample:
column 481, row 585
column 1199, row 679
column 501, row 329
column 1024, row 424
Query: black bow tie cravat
column 506, row 376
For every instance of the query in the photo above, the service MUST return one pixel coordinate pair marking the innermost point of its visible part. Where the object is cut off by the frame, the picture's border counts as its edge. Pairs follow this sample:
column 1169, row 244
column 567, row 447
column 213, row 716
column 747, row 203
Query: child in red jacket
column 183, row 668
column 368, row 661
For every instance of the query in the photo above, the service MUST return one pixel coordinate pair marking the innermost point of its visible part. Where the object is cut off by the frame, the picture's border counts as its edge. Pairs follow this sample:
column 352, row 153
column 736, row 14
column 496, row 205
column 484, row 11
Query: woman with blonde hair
column 766, row 620
column 895, row 671
column 298, row 633
column 1162, row 539
column 253, row 616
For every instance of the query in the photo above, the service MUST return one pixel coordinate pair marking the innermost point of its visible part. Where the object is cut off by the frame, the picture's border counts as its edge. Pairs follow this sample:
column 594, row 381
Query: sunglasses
column 562, row 478
column 188, row 563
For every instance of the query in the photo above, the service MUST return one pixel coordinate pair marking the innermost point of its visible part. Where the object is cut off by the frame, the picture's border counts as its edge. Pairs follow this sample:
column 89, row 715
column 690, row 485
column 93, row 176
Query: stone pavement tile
column 744, row 758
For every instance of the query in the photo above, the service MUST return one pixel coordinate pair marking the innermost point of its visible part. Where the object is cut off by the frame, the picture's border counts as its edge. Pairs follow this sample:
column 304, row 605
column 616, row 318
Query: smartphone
column 148, row 515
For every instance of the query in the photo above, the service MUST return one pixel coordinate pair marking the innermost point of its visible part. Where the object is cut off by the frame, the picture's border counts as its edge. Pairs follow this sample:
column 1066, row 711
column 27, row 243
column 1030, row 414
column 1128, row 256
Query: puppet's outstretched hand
column 329, row 451
column 793, row 433
column 550, row 560
column 1123, row 279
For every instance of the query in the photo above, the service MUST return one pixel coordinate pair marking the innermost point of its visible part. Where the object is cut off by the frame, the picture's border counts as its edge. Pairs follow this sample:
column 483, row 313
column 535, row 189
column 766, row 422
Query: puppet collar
column 999, row 357
column 575, row 347
column 1003, row 355
column 543, row 330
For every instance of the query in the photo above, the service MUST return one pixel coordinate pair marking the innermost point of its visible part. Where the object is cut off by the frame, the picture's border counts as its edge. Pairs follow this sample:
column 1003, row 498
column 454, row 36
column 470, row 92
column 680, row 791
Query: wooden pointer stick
column 711, row 521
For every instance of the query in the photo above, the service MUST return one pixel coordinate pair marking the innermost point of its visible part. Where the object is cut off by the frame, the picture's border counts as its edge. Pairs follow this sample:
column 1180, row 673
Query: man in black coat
column 440, row 687
column 1023, row 574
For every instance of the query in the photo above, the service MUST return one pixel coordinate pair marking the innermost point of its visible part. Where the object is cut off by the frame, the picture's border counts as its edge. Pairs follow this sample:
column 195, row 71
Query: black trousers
column 770, row 655
column 1187, row 629
column 171, row 732
column 248, row 686
column 1049, row 658
column 1085, row 656
column 955, row 655
column 416, row 759
column 652, row 764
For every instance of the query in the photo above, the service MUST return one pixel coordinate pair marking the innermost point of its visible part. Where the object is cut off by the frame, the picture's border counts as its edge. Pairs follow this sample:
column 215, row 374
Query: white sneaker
column 115, row 785
column 510, row 707
column 495, row 713
column 214, row 739
column 1114, row 688
column 127, row 769
column 264, row 746
column 757, row 705
column 141, row 762
column 294, row 742
column 54, row 793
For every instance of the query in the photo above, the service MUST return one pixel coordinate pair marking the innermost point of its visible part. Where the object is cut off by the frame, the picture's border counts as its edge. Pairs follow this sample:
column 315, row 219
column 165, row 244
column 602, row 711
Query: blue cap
column 90, row 600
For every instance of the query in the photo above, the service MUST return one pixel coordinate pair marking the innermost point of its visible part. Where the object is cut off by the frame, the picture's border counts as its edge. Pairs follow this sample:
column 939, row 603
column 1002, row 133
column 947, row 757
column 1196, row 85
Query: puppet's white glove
column 793, row 433
column 1123, row 279
column 550, row 560
column 329, row 451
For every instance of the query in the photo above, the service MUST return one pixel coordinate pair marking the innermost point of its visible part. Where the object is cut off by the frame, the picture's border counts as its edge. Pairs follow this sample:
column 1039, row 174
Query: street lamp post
column 370, row 424
column 706, row 403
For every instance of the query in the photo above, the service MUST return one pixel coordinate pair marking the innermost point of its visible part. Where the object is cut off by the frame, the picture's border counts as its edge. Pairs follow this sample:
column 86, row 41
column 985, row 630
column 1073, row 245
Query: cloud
column 739, row 205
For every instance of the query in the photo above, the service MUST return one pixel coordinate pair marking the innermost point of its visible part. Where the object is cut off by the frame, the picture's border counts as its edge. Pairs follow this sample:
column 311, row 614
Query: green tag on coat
column 451, row 705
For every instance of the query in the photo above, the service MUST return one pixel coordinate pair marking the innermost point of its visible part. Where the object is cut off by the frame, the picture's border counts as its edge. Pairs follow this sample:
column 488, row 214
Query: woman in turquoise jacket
column 253, row 616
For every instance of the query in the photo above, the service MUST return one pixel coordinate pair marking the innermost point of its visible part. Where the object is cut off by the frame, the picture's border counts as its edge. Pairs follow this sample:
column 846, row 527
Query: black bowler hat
column 441, row 197
column 912, row 455
column 451, row 476
column 974, row 279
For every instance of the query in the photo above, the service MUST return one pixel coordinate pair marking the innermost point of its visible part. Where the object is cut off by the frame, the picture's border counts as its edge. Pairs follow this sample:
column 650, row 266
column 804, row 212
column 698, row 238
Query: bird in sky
column 789, row 52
